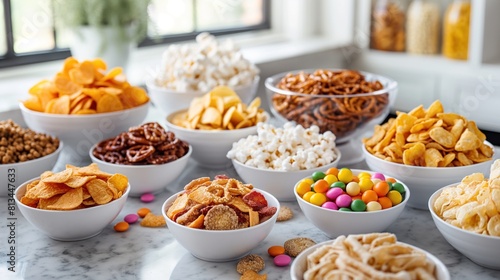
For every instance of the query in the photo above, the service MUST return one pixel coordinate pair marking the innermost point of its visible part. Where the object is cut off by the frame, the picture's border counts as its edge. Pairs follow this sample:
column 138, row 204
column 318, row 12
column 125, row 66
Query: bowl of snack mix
column 84, row 104
column 467, row 214
column 191, row 70
column 341, row 201
column 222, row 219
column 73, row 204
column 428, row 148
column 25, row 154
column 377, row 256
column 275, row 158
column 148, row 155
column 213, row 122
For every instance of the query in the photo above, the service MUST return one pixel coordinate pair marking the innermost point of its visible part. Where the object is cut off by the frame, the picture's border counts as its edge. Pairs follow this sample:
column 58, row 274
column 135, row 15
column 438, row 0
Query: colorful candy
column 147, row 197
column 276, row 250
column 282, row 260
column 131, row 218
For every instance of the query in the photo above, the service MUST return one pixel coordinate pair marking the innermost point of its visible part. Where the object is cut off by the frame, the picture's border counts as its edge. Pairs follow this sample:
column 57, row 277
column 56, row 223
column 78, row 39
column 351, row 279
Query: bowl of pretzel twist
column 345, row 102
column 148, row 155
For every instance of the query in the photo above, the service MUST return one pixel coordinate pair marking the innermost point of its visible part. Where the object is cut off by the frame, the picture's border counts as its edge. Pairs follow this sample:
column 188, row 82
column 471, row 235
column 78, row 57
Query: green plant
column 121, row 14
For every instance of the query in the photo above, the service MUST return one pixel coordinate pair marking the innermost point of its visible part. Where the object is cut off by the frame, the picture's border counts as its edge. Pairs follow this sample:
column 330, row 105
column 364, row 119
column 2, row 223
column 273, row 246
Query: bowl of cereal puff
column 335, row 259
column 73, row 204
column 220, row 219
column 213, row 122
column 428, row 148
column 151, row 157
column 467, row 214
column 275, row 158
column 25, row 154
column 84, row 104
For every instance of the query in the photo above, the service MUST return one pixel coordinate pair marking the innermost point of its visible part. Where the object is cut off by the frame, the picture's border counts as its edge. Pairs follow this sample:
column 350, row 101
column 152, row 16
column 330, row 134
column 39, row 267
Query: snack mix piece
column 250, row 262
column 221, row 204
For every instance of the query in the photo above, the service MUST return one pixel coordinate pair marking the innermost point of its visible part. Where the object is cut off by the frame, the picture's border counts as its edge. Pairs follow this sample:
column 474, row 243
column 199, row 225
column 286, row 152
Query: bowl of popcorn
column 73, row 204
column 25, row 154
column 220, row 219
column 336, row 258
column 428, row 148
column 84, row 104
column 191, row 70
column 150, row 157
column 467, row 214
column 213, row 122
column 275, row 158
column 341, row 201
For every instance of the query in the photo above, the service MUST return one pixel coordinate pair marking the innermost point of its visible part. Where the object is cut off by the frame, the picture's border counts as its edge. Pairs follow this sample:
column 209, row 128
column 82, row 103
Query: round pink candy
column 131, row 218
column 147, row 197
column 378, row 175
column 343, row 200
column 330, row 205
column 282, row 260
column 333, row 193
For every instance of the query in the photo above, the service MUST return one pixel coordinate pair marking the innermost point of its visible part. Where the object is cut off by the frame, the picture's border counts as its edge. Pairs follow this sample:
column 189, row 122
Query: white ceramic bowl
column 278, row 183
column 334, row 223
column 169, row 101
column 17, row 173
column 80, row 132
column 152, row 178
column 209, row 146
column 481, row 249
column 70, row 225
column 423, row 181
column 299, row 265
column 221, row 245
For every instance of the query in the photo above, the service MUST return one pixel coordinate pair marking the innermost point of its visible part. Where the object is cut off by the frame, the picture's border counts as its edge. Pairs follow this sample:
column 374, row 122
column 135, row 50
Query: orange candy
column 381, row 188
column 143, row 212
column 274, row 251
column 333, row 171
column 368, row 196
column 391, row 180
column 385, row 202
column 321, row 186
column 121, row 226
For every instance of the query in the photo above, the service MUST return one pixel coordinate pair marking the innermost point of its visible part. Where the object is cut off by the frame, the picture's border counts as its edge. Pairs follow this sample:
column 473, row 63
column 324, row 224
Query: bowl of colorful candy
column 220, row 219
column 344, row 201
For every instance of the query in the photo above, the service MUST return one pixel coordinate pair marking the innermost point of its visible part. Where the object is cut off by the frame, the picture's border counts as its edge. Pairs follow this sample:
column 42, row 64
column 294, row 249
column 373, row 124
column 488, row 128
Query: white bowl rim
column 54, row 153
column 433, row 213
column 365, row 151
column 124, row 195
column 392, row 84
column 213, row 131
column 131, row 166
column 85, row 116
column 400, row 205
column 164, row 205
column 152, row 85
column 336, row 161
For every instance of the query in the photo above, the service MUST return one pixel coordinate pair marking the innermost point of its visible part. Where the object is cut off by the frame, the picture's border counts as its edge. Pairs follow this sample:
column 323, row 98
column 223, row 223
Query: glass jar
column 388, row 25
column 456, row 30
column 422, row 27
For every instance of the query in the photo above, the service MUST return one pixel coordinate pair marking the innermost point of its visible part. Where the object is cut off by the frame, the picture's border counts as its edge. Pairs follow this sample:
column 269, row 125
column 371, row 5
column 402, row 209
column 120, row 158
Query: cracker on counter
column 285, row 213
column 250, row 262
column 152, row 220
column 252, row 275
column 294, row 246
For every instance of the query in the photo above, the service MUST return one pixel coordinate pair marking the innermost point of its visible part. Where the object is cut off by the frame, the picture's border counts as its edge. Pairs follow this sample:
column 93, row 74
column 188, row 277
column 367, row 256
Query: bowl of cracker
column 73, row 204
column 428, row 148
column 83, row 104
column 467, row 214
column 220, row 219
column 389, row 259
column 213, row 122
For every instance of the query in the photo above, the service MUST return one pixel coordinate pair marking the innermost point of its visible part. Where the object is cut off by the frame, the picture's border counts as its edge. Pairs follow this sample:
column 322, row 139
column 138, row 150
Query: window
column 27, row 33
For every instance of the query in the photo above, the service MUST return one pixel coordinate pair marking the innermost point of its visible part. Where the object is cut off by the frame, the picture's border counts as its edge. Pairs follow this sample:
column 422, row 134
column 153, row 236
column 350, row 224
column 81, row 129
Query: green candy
column 318, row 175
column 398, row 187
column 338, row 184
column 345, row 209
column 358, row 205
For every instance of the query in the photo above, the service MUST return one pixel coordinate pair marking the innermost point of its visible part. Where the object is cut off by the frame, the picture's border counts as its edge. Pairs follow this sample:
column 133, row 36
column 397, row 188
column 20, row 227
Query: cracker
column 252, row 275
column 250, row 262
column 294, row 246
column 152, row 220
column 284, row 214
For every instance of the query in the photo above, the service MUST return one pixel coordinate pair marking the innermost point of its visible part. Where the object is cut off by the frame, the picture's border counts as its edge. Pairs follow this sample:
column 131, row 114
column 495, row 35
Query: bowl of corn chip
column 73, row 204
column 428, row 148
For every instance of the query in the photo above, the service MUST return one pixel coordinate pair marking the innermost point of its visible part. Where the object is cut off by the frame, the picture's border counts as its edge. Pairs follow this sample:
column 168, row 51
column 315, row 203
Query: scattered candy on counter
column 340, row 189
column 276, row 250
column 147, row 197
column 143, row 212
column 148, row 220
column 282, row 260
column 131, row 218
column 121, row 226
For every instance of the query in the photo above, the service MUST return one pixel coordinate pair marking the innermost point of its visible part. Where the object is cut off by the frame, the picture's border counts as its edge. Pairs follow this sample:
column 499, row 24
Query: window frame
column 10, row 58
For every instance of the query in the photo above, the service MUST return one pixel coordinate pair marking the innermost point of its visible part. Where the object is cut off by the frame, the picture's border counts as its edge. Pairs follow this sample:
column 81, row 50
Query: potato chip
column 69, row 200
column 432, row 157
column 78, row 181
column 44, row 203
column 59, row 177
column 468, row 141
column 119, row 181
column 46, row 190
column 109, row 103
column 414, row 155
column 442, row 137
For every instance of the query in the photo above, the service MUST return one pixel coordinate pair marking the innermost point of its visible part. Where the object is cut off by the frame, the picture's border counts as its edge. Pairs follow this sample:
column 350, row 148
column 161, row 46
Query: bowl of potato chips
column 220, row 219
column 428, row 148
column 213, row 122
column 468, row 216
column 74, row 204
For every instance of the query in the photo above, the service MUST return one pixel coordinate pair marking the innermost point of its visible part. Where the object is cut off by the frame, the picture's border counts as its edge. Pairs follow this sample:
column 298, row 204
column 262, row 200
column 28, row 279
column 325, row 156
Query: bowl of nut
column 213, row 122
column 148, row 155
column 351, row 201
column 25, row 154
column 83, row 104
column 220, row 220
column 345, row 102
column 73, row 204
column 275, row 158
column 428, row 148
column 467, row 214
